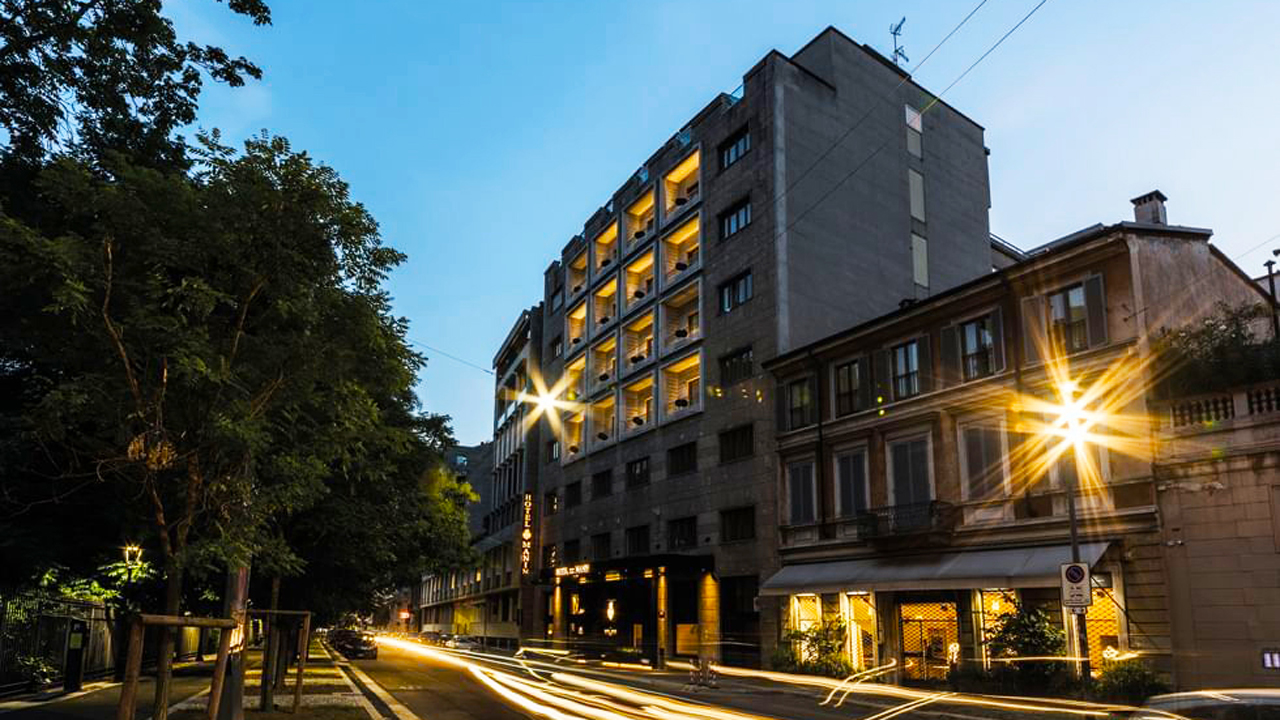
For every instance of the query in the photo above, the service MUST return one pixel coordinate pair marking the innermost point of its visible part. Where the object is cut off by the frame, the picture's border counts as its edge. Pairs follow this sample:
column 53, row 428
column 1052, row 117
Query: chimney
column 1149, row 208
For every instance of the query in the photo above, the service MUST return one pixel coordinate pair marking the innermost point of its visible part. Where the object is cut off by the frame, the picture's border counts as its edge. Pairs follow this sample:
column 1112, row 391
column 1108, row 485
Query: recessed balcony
column 682, row 386
column 681, row 251
column 637, row 401
column 604, row 421
column 681, row 318
column 680, row 186
column 573, row 428
column 640, row 219
column 604, row 304
column 637, row 341
column 575, row 387
column 604, row 363
column 575, row 326
column 577, row 274
column 605, row 249
column 639, row 280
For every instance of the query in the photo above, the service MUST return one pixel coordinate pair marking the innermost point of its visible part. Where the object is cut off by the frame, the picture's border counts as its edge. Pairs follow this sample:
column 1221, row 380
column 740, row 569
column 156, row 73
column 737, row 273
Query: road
column 433, row 689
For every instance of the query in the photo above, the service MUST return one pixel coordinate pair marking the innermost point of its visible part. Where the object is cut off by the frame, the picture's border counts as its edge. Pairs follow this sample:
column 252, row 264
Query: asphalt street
column 434, row 690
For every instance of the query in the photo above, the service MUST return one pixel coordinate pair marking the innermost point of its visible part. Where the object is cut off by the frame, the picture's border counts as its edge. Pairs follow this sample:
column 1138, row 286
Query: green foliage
column 1128, row 681
column 35, row 670
column 1218, row 352
column 1028, row 632
column 820, row 650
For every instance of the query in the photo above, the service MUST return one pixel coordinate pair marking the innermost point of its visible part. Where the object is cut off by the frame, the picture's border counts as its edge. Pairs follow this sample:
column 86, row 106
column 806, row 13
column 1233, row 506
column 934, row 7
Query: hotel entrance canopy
column 955, row 570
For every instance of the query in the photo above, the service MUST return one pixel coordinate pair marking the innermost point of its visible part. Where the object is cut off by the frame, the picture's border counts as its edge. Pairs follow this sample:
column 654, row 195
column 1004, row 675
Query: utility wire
column 455, row 358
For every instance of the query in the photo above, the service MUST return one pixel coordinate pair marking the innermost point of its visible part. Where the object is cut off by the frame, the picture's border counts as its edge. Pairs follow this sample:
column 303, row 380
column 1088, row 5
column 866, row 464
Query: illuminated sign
column 579, row 569
column 526, row 536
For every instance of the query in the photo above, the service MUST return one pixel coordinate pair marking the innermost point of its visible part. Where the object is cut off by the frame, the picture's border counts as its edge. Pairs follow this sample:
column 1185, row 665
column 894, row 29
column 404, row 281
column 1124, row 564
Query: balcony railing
column 905, row 521
column 1208, row 410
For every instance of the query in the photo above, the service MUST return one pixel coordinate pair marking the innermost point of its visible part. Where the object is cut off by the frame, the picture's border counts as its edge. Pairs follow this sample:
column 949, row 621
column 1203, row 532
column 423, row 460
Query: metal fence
column 35, row 629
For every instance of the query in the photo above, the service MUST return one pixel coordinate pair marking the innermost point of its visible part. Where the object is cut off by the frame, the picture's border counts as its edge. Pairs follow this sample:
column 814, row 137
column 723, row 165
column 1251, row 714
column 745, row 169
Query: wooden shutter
column 1095, row 303
column 950, row 356
column 815, row 400
column 924, row 357
column 997, row 339
column 1032, row 327
column 882, row 377
column 781, row 405
column 864, row 382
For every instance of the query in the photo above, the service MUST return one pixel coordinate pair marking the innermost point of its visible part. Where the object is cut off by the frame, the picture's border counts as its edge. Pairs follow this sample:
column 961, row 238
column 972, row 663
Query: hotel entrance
column 930, row 633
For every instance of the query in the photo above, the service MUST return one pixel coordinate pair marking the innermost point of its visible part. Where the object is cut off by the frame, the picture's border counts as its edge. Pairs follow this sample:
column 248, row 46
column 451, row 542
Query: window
column 906, row 370
column 848, row 381
column 1068, row 319
column 916, row 186
column 548, row 556
column 983, row 461
column 736, row 443
column 602, row 546
column 735, row 292
column 602, row 484
column 682, row 459
column 573, row 494
column 638, row 540
column 638, row 472
column 557, row 300
column 799, row 404
column 683, row 533
column 851, row 482
column 572, row 551
column 977, row 348
column 553, row 450
column 919, row 260
column 551, row 503
column 802, row 493
column 735, row 219
column 735, row 147
column 736, row 367
column 915, row 128
column 909, row 470
column 737, row 524
column 557, row 346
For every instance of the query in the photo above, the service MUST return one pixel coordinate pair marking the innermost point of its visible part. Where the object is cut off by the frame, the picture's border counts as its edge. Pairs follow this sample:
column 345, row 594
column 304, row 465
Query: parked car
column 1252, row 704
column 354, row 644
column 463, row 642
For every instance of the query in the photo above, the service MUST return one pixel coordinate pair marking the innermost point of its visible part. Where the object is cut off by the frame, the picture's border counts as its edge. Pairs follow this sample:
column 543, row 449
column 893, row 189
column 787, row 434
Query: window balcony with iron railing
column 926, row 522
column 639, row 280
column 603, row 421
column 577, row 274
column 575, row 327
column 604, row 305
column 637, row 400
column 640, row 219
column 681, row 252
column 682, row 386
column 604, row 250
column 681, row 316
column 604, row 363
column 637, row 342
column 680, row 186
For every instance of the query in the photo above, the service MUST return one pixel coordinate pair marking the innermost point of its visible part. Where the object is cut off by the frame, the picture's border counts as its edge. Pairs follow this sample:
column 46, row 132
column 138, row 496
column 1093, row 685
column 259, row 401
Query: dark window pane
column 573, row 494
column 638, row 472
column 851, row 472
column 638, row 540
column 601, row 546
column 682, row 459
column 601, row 484
column 736, row 444
column 683, row 533
column 737, row 524
column 800, row 478
column 736, row 367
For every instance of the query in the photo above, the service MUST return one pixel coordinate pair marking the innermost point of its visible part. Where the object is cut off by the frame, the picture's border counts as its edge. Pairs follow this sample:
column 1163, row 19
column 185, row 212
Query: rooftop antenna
column 899, row 52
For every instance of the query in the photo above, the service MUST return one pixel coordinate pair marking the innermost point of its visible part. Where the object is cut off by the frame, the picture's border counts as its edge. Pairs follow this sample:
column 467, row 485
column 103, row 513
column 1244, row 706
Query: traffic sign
column 1075, row 585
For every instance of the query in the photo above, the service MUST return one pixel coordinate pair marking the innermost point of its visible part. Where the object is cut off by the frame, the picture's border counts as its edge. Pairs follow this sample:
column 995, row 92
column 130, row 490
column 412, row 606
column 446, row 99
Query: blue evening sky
column 481, row 135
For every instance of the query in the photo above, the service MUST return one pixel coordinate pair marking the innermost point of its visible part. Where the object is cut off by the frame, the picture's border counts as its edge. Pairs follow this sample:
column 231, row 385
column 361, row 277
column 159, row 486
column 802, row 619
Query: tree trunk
column 164, row 658
column 266, row 693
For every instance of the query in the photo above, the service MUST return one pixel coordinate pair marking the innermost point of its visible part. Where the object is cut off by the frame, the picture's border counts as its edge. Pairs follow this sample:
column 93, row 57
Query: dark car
column 354, row 644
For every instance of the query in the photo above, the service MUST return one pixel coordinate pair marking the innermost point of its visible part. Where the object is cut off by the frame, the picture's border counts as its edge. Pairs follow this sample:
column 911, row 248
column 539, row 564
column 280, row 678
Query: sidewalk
column 99, row 700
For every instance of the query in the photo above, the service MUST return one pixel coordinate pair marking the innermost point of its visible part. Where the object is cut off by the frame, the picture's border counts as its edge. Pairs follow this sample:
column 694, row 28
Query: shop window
column 930, row 634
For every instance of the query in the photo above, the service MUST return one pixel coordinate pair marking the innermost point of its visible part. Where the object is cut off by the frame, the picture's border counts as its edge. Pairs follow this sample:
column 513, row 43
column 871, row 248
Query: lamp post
column 1082, row 631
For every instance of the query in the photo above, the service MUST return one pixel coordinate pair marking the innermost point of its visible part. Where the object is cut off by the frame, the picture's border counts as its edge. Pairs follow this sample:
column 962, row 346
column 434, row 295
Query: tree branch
column 134, row 387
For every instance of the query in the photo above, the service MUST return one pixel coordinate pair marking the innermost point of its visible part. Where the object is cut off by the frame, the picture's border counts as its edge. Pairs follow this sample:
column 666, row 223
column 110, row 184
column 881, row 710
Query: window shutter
column 1032, row 327
column 815, row 400
column 950, row 350
column 1095, row 302
column 781, row 403
column 882, row 377
column 924, row 355
column 997, row 338
column 864, row 383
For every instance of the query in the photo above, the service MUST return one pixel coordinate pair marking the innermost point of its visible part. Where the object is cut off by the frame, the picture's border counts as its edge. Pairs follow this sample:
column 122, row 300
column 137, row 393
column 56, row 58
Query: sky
column 482, row 135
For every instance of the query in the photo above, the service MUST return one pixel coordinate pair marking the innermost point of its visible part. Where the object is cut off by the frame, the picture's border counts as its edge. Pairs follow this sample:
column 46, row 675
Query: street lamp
column 1075, row 427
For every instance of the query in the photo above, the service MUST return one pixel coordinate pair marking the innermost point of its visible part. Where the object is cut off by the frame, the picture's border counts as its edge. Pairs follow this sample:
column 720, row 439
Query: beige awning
column 956, row 570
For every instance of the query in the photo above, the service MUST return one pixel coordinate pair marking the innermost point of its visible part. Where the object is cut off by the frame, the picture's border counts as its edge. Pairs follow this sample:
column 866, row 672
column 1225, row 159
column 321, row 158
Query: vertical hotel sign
column 526, row 536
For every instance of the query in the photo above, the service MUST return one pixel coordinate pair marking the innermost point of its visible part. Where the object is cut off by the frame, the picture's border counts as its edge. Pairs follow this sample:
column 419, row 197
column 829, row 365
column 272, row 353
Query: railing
column 1202, row 410
column 935, row 516
column 1263, row 400
column 1222, row 406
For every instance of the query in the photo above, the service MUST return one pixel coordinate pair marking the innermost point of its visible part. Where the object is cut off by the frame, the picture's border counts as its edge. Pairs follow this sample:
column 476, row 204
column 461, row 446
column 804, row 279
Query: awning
column 1000, row 568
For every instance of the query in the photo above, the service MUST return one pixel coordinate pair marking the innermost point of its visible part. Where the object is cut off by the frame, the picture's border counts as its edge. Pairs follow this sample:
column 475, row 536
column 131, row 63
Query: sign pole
column 1082, row 632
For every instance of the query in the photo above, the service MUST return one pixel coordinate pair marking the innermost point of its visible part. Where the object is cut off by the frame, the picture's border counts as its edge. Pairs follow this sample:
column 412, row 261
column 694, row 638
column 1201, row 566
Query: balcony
column 573, row 429
column 604, row 363
column 576, row 371
column 604, row 305
column 637, row 342
column 640, row 219
column 575, row 327
column 681, row 252
column 637, row 401
column 682, row 386
column 681, row 318
column 605, row 249
column 639, row 280
column 577, row 274
column 928, row 523
column 680, row 186
column 604, row 421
